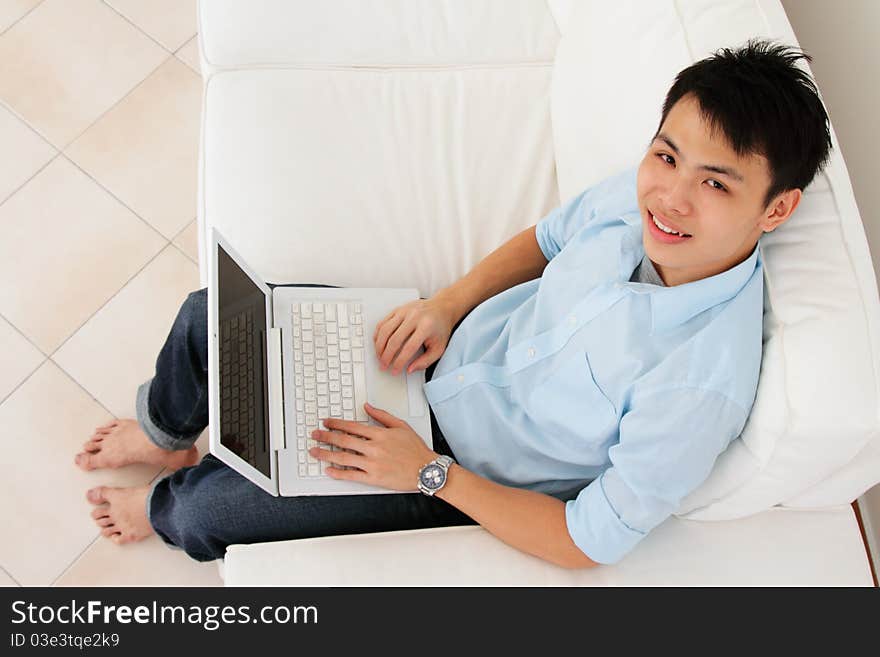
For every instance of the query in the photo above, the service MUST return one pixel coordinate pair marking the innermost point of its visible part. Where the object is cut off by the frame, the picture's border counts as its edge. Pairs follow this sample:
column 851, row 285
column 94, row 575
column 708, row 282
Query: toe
column 109, row 425
column 85, row 461
column 100, row 512
column 91, row 446
column 109, row 532
column 106, row 521
column 98, row 495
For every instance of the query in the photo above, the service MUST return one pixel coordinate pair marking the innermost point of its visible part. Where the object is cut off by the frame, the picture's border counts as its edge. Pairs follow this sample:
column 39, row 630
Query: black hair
column 763, row 104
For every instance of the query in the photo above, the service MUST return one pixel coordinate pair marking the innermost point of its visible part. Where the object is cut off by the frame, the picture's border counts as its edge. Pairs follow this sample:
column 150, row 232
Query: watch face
column 433, row 476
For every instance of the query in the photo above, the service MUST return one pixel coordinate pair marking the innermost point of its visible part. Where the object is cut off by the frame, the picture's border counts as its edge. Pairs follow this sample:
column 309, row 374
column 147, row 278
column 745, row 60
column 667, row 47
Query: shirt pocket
column 570, row 406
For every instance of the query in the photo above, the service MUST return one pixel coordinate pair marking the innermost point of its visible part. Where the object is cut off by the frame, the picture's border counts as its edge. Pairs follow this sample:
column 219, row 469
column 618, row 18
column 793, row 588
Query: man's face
column 693, row 182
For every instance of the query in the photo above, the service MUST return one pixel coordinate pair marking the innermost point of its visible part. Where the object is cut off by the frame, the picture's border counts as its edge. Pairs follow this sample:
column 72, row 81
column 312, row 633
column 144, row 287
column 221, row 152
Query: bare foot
column 121, row 442
column 122, row 514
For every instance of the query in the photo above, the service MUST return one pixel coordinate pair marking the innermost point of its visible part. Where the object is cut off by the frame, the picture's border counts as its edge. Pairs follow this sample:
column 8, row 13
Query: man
column 590, row 370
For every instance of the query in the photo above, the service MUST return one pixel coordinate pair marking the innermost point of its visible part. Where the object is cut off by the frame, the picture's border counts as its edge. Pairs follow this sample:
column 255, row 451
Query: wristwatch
column 432, row 477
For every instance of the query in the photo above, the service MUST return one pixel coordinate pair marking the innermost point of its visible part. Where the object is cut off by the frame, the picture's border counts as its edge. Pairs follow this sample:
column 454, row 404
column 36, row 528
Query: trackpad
column 400, row 395
column 389, row 393
column 416, row 394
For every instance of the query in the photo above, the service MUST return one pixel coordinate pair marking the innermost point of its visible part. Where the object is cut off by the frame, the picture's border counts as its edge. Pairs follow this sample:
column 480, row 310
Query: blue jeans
column 204, row 508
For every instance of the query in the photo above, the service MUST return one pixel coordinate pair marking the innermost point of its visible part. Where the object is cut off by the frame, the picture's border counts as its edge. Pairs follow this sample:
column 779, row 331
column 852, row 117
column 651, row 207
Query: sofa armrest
column 776, row 547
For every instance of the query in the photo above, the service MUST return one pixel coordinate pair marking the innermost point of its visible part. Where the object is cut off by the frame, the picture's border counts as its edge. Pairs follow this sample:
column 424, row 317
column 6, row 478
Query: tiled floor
column 99, row 115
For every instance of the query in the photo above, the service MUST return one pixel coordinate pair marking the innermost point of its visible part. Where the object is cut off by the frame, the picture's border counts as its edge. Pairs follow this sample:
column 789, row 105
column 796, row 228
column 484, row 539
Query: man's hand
column 399, row 335
column 389, row 456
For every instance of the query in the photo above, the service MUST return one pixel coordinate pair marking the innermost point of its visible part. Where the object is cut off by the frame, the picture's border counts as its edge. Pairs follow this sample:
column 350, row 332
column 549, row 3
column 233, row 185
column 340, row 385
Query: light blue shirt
column 616, row 396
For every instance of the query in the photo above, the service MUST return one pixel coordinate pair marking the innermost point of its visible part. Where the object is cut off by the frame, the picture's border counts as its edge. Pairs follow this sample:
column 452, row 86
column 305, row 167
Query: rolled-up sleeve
column 610, row 197
column 669, row 441
column 555, row 230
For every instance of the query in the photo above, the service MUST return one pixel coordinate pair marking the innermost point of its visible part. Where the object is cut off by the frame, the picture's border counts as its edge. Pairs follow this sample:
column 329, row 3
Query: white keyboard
column 329, row 374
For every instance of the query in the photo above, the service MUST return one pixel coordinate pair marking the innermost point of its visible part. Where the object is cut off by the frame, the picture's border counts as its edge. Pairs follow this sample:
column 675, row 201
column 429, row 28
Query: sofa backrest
column 813, row 437
column 387, row 144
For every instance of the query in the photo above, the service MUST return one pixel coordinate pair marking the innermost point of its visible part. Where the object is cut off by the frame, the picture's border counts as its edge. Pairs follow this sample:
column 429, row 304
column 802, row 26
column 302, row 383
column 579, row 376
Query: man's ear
column 782, row 207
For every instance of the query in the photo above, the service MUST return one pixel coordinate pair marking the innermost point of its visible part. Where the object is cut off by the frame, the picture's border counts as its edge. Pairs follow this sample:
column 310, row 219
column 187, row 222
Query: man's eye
column 663, row 157
column 720, row 187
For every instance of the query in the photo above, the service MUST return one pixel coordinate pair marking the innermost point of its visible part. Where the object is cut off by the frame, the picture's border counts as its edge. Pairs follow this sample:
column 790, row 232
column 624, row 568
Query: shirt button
column 531, row 352
column 460, row 377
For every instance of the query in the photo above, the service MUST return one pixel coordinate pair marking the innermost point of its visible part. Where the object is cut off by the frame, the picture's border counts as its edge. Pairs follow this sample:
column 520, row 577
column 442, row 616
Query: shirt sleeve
column 555, row 230
column 669, row 441
column 614, row 195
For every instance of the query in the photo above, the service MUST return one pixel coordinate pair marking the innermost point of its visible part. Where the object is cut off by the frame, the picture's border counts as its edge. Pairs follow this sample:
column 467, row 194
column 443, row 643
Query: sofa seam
column 315, row 66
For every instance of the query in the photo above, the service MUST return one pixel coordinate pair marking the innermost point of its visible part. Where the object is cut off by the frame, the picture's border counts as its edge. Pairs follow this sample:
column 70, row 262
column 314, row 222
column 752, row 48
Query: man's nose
column 676, row 198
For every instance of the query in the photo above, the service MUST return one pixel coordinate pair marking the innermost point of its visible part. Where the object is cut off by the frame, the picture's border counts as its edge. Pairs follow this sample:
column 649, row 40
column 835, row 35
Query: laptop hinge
column 276, row 390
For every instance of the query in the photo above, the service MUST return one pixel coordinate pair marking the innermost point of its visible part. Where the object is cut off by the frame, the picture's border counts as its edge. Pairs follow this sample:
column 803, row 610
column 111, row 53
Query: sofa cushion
column 813, row 437
column 375, row 178
column 358, row 33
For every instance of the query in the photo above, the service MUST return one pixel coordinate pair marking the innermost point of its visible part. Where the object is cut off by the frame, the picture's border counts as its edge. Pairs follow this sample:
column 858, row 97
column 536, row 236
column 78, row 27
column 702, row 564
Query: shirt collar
column 673, row 306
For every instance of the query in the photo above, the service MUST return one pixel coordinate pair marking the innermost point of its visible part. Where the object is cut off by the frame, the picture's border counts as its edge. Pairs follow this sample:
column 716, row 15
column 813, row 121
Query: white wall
column 842, row 37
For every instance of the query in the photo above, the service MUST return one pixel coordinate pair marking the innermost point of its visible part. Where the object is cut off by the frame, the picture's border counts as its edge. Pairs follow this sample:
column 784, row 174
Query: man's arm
column 518, row 260
column 529, row 521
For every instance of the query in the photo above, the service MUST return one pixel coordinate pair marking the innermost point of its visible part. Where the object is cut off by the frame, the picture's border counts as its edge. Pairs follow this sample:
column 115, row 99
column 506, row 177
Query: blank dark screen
column 239, row 294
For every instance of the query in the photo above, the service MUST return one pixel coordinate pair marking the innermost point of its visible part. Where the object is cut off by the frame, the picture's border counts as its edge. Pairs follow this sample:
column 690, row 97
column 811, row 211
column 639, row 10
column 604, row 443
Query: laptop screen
column 241, row 336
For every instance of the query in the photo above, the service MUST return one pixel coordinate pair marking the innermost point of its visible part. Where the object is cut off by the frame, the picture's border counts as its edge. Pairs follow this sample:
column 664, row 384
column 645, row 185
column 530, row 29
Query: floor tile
column 146, row 563
column 188, row 241
column 116, row 350
column 20, row 358
column 67, row 248
column 145, row 150
column 30, row 151
column 170, row 22
column 68, row 61
column 189, row 53
column 43, row 425
column 6, row 580
column 13, row 10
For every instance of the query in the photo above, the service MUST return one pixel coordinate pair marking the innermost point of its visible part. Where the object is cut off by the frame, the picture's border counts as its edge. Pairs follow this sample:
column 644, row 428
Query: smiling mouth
column 666, row 229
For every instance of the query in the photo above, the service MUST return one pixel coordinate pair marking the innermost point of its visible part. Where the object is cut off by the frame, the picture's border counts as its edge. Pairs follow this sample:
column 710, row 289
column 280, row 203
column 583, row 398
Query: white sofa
column 397, row 142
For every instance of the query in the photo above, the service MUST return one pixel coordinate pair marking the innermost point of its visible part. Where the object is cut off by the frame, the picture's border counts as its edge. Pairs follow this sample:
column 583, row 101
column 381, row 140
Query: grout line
column 101, row 115
column 51, row 355
column 103, row 305
column 118, row 200
column 75, row 559
column 196, row 69
column 188, row 65
column 114, row 105
column 181, row 232
column 184, row 254
column 9, row 108
column 16, row 190
column 25, row 380
column 97, row 538
column 135, row 25
column 147, row 34
column 19, row 331
column 31, row 373
column 24, row 120
column 8, row 574
column 20, row 18
column 186, row 43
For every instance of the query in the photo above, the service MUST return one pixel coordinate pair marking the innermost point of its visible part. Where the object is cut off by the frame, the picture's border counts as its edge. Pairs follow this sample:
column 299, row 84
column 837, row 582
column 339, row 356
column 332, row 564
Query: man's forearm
column 518, row 260
column 529, row 521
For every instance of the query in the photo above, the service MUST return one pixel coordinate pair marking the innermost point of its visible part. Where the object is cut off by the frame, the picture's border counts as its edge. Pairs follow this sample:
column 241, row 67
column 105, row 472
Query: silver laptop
column 282, row 360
